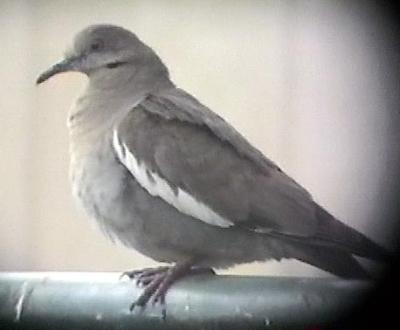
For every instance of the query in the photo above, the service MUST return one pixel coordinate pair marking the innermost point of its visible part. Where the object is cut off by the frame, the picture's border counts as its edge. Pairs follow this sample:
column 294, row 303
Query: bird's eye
column 96, row 45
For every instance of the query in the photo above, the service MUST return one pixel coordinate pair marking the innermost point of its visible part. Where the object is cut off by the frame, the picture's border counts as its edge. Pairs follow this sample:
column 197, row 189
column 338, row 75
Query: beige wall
column 300, row 80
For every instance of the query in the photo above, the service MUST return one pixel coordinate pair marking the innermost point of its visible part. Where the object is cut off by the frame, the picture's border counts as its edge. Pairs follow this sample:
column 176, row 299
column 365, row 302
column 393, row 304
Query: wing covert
column 199, row 164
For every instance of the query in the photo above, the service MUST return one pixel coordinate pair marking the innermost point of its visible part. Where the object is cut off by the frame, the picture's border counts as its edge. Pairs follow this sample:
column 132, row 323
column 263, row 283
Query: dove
column 163, row 174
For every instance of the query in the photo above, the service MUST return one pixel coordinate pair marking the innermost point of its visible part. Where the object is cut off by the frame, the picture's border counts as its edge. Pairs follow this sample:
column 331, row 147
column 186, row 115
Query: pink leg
column 157, row 281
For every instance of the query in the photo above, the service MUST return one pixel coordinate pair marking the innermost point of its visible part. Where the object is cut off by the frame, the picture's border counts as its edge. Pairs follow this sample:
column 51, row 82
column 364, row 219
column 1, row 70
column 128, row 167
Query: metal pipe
column 101, row 301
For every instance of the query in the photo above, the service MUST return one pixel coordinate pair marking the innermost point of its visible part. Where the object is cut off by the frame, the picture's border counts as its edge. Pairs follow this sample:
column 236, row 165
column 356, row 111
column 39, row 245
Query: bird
column 163, row 174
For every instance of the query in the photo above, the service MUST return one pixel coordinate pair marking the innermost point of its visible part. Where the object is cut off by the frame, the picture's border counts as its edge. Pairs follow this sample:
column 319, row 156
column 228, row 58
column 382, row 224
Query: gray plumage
column 165, row 175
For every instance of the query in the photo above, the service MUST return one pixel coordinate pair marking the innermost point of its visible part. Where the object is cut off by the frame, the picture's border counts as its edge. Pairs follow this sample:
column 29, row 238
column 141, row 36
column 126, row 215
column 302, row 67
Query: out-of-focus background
column 313, row 84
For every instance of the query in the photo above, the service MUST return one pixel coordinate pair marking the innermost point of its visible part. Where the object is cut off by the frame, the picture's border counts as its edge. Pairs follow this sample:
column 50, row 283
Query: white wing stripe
column 157, row 186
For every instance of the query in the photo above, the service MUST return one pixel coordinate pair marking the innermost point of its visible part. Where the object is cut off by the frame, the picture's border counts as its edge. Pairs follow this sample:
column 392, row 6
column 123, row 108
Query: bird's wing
column 182, row 152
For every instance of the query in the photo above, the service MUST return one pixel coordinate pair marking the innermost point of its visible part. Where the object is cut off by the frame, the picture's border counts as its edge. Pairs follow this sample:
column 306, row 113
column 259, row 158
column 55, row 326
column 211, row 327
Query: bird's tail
column 332, row 260
column 332, row 231
column 333, row 247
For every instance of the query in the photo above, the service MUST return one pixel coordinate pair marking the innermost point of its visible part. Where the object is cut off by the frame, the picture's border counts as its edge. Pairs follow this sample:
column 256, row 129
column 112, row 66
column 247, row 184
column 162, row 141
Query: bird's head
column 103, row 51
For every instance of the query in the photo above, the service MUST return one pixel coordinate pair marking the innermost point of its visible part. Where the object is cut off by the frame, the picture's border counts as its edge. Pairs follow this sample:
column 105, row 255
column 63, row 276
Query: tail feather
column 332, row 260
column 333, row 247
column 333, row 231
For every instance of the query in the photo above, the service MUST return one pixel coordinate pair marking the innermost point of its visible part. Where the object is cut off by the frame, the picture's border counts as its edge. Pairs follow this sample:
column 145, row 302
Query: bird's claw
column 135, row 274
column 151, row 279
column 157, row 281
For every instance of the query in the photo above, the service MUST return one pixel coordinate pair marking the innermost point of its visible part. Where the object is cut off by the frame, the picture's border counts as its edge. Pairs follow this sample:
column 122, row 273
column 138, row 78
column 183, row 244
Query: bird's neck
column 130, row 76
column 99, row 108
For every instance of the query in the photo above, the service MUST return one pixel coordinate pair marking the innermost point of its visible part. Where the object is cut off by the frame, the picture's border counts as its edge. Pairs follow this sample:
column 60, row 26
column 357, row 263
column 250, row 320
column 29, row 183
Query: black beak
column 68, row 64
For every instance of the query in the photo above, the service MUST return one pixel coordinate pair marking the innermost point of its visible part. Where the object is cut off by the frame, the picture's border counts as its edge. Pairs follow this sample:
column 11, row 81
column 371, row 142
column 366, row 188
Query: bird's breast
column 98, row 181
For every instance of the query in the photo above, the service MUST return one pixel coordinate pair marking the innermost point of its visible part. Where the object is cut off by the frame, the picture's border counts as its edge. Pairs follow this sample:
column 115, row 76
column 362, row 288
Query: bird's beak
column 68, row 64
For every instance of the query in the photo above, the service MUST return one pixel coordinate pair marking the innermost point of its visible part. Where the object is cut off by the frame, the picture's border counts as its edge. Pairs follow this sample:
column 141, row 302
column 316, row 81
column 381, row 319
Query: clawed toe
column 148, row 291
column 150, row 279
column 137, row 274
column 157, row 281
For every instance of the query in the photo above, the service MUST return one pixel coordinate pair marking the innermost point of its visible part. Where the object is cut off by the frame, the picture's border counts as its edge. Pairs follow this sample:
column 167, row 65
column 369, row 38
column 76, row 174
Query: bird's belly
column 120, row 207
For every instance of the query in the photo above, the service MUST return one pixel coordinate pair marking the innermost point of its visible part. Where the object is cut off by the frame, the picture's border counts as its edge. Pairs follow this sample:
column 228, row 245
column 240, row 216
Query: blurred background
column 313, row 84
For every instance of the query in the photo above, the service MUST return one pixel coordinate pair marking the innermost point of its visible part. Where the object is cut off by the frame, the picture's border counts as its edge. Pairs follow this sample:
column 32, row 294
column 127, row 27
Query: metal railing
column 101, row 301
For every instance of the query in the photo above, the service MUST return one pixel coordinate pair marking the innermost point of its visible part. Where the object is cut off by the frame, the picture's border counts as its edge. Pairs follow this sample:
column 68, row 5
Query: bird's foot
column 143, row 276
column 157, row 281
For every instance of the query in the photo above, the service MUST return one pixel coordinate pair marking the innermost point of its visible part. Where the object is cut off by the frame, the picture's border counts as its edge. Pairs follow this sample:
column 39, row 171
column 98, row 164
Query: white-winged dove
column 165, row 175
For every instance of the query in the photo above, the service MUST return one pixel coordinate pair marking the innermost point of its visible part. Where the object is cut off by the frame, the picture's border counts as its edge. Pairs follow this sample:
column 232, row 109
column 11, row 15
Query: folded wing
column 182, row 152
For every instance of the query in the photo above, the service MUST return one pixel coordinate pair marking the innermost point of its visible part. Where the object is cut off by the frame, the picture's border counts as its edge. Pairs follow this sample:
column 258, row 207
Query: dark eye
column 96, row 45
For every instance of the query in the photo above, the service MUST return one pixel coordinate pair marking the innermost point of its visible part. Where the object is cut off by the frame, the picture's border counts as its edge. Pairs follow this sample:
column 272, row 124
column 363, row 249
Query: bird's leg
column 157, row 281
column 172, row 275
column 145, row 277
column 149, row 290
column 159, row 278
column 146, row 273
